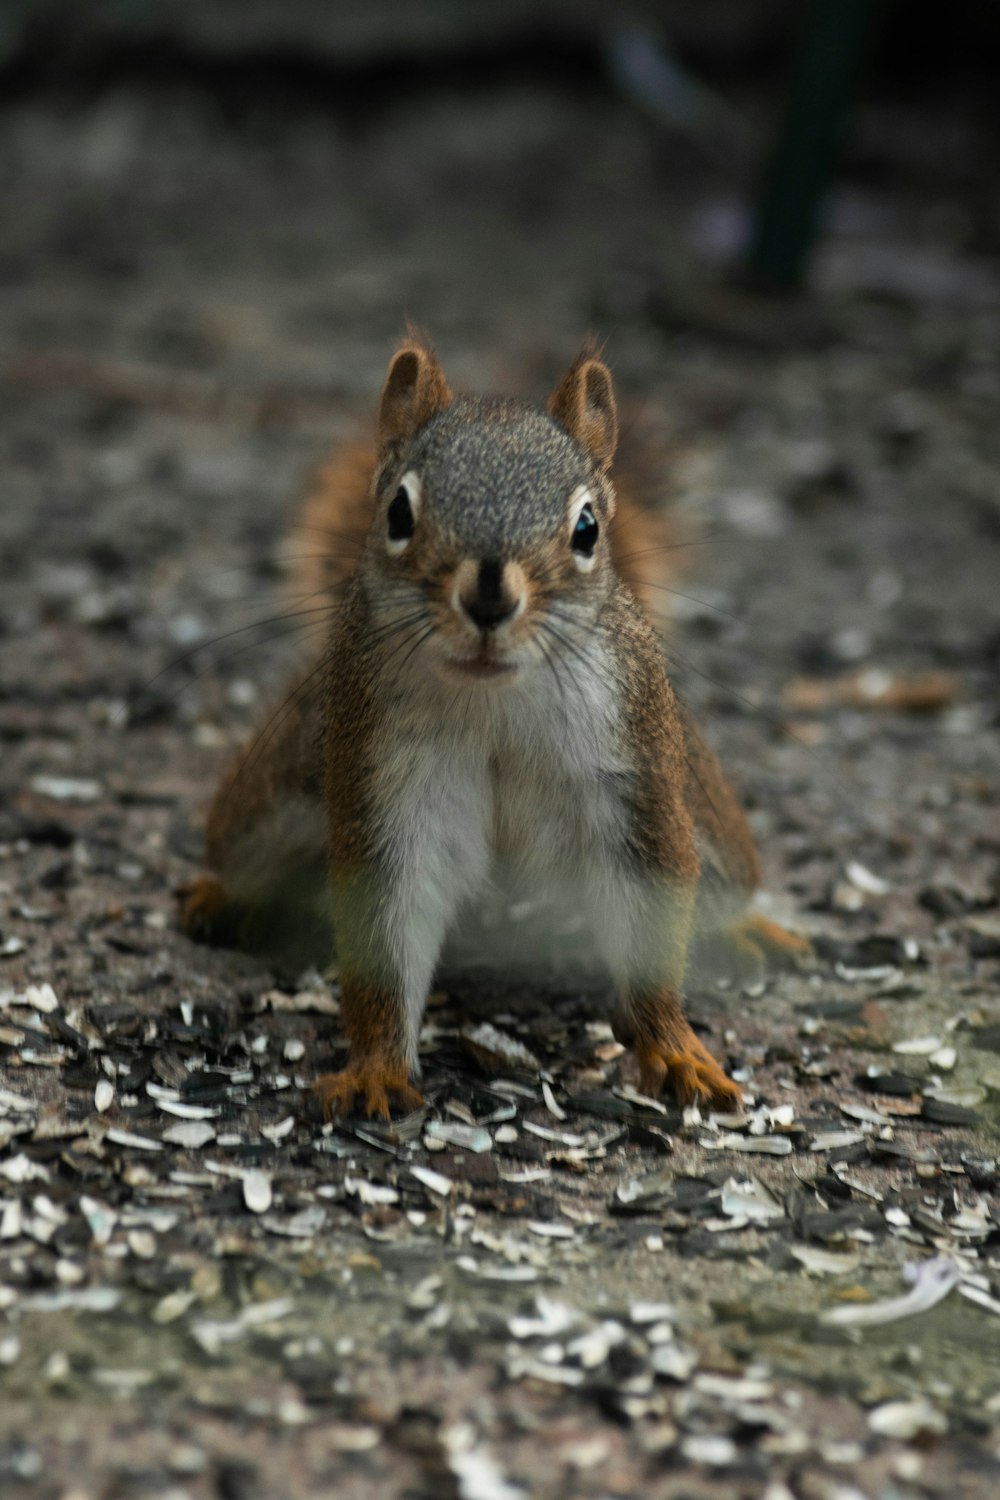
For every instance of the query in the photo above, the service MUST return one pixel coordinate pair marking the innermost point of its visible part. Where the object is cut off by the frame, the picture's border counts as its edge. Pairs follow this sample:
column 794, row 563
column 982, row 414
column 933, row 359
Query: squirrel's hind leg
column 744, row 947
column 206, row 913
column 265, row 844
column 769, row 941
column 287, row 918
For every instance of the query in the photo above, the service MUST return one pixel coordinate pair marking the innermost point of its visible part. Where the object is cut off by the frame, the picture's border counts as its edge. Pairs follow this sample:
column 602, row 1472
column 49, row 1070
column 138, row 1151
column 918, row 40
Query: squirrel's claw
column 690, row 1070
column 371, row 1082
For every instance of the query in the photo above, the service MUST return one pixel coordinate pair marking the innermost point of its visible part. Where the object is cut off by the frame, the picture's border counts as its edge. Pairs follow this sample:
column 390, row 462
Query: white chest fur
column 526, row 775
column 533, row 768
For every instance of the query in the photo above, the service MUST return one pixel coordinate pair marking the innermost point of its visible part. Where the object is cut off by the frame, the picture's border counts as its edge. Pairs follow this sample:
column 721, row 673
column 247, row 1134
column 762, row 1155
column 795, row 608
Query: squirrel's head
column 490, row 543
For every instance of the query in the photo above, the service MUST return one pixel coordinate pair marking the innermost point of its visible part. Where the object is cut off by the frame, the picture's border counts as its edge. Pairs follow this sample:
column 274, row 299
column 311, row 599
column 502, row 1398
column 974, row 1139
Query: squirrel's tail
column 322, row 550
column 648, row 550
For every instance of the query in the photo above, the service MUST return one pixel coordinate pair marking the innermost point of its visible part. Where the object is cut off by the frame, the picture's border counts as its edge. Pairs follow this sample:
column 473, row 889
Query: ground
column 547, row 1286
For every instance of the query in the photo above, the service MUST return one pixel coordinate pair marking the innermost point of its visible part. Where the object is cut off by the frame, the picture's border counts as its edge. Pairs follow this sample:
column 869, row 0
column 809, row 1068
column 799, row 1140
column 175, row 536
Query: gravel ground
column 544, row 1291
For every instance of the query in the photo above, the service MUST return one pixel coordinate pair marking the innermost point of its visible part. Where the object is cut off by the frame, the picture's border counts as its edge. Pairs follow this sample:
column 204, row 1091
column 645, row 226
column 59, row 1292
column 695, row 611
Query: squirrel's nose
column 490, row 605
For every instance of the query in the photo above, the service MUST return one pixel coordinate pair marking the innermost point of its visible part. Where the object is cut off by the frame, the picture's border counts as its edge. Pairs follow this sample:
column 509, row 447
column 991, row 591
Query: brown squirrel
column 491, row 685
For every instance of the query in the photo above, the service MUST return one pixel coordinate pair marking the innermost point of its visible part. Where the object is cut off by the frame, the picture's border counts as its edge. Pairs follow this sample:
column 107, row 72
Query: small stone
column 435, row 1182
column 67, row 788
column 907, row 1419
column 496, row 1052
column 190, row 1135
column 173, row 1306
column 464, row 1137
column 135, row 1142
column 41, row 997
column 370, row 1193
column 276, row 1133
column 56, row 1367
column 763, row 1145
column 865, row 880
column 711, row 1448
column 918, row 1046
column 673, row 1361
column 257, row 1194
column 651, row 1312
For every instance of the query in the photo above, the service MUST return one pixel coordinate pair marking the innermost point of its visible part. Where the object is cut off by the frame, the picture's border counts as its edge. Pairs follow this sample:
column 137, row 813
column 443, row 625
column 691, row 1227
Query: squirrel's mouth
column 480, row 665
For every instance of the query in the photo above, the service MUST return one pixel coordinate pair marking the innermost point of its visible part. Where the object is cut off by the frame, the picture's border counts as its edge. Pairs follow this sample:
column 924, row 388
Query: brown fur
column 686, row 825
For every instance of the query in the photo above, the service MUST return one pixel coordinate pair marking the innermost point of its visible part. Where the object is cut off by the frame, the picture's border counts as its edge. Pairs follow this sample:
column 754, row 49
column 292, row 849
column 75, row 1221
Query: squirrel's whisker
column 421, row 636
column 575, row 651
column 547, row 657
column 674, row 657
column 399, row 622
column 649, row 583
column 580, row 652
column 197, row 574
column 698, row 541
column 186, row 656
column 302, row 629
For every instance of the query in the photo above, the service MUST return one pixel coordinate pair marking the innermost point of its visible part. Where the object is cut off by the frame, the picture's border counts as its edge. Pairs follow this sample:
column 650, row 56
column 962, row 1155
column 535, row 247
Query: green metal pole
column 815, row 123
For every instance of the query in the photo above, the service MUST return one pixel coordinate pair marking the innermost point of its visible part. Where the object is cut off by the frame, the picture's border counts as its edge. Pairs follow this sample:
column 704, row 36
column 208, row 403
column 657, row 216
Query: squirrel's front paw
column 689, row 1069
column 371, row 1081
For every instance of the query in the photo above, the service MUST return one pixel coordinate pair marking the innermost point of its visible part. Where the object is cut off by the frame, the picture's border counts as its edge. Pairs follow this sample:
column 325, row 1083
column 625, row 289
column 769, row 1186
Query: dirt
column 200, row 299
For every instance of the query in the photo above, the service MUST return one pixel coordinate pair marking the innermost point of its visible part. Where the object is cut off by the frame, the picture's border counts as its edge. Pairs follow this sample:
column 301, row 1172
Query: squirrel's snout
column 489, row 593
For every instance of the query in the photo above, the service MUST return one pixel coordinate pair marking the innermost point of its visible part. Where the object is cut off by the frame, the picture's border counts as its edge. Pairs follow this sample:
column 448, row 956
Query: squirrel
column 491, row 685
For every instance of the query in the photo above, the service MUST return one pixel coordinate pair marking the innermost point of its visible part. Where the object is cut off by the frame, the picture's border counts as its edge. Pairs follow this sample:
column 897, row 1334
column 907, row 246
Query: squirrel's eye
column 585, row 531
column 400, row 516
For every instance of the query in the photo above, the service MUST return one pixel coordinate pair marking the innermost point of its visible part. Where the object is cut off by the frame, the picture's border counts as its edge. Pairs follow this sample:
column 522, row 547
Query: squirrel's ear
column 415, row 390
column 584, row 403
